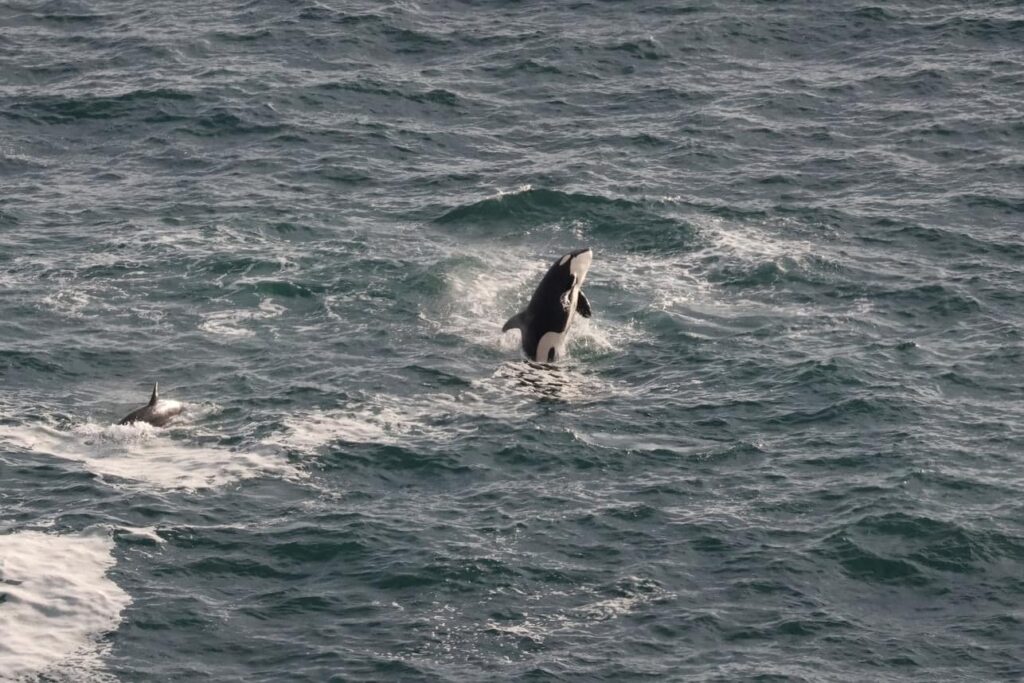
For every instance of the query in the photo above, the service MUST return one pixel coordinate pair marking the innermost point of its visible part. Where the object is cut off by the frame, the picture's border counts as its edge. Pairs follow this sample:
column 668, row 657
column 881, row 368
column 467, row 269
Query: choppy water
column 787, row 447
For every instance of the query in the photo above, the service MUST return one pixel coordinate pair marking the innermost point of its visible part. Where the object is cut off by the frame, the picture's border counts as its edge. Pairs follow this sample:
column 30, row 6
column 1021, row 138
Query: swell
column 68, row 109
column 636, row 226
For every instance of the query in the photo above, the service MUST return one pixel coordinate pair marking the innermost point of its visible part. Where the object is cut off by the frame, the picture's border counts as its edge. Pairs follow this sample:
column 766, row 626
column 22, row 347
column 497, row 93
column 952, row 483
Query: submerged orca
column 157, row 412
column 546, row 319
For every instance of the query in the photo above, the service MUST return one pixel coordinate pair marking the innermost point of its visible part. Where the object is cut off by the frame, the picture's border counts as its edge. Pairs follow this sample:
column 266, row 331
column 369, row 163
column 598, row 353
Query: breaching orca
column 558, row 297
column 157, row 413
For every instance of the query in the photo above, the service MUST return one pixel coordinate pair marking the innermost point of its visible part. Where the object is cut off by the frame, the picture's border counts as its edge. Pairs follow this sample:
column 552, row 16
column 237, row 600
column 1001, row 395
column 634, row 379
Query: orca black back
column 545, row 321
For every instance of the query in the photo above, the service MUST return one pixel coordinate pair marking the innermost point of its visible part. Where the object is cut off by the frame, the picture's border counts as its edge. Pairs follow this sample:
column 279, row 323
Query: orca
column 545, row 321
column 157, row 412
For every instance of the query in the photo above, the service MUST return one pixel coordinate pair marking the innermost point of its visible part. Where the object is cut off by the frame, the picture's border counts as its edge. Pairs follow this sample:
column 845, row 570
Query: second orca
column 157, row 413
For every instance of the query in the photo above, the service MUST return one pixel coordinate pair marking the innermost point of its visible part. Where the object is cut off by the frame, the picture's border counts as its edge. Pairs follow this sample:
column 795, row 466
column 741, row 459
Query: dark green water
column 787, row 447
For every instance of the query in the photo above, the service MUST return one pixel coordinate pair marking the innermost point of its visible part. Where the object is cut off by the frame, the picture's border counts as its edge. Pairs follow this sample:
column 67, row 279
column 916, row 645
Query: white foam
column 669, row 282
column 57, row 605
column 511, row 193
column 600, row 336
column 284, row 265
column 539, row 622
column 480, row 299
column 142, row 453
column 227, row 323
column 660, row 283
column 381, row 419
column 66, row 292
column 232, row 323
column 611, row 608
column 139, row 533
column 67, row 302
column 311, row 430
column 752, row 244
column 646, row 442
column 510, row 394
column 635, row 592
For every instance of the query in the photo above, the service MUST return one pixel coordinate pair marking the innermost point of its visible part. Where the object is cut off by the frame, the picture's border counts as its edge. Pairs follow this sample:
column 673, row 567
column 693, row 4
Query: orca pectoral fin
column 515, row 322
column 583, row 306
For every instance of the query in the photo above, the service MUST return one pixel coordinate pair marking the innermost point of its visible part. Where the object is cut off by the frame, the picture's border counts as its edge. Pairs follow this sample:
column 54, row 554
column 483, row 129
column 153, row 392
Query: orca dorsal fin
column 583, row 305
column 154, row 398
column 518, row 321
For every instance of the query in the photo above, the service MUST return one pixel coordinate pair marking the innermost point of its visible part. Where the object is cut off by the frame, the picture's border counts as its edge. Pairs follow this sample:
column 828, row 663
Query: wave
column 915, row 550
column 66, row 109
column 938, row 544
column 515, row 214
column 372, row 87
column 934, row 300
column 987, row 26
column 950, row 243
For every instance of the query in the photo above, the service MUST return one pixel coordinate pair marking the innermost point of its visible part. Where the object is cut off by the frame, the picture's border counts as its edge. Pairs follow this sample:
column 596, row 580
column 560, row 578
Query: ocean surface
column 789, row 445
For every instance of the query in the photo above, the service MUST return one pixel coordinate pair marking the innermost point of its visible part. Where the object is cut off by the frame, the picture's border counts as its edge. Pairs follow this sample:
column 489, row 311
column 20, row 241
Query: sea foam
column 56, row 603
column 142, row 454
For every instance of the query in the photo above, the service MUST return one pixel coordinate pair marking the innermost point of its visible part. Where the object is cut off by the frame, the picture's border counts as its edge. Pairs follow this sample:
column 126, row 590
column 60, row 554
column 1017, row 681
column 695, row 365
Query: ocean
column 786, row 447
